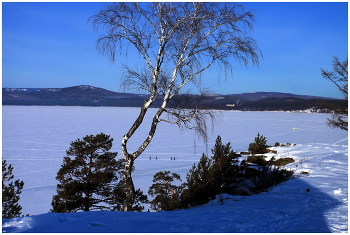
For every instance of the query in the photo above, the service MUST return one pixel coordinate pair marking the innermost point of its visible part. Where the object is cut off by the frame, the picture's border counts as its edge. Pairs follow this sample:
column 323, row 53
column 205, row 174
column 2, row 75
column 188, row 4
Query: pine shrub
column 10, row 192
column 92, row 180
column 259, row 146
column 198, row 188
column 224, row 173
column 166, row 194
column 224, row 168
column 212, row 176
column 265, row 177
column 257, row 159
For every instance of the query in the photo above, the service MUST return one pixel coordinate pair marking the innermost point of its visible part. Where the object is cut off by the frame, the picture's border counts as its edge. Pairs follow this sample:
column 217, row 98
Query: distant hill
column 80, row 92
column 85, row 95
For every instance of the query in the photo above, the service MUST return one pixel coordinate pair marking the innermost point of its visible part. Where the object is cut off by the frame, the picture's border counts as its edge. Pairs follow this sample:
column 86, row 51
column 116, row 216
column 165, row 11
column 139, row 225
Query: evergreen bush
column 10, row 193
column 257, row 159
column 167, row 194
column 259, row 146
column 224, row 173
column 91, row 180
column 224, row 168
column 267, row 176
column 198, row 188
column 212, row 176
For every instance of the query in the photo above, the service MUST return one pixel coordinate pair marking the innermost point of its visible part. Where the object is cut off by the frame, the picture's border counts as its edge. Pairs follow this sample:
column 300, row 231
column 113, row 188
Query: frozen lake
column 35, row 138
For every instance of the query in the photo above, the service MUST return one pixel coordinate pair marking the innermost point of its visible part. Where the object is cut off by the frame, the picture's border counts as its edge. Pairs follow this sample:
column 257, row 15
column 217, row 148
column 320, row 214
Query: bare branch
column 177, row 41
column 191, row 112
column 339, row 77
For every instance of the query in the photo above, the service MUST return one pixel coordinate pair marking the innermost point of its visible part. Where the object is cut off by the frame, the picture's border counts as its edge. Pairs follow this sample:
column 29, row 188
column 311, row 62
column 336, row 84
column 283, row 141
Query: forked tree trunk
column 130, row 158
column 128, row 185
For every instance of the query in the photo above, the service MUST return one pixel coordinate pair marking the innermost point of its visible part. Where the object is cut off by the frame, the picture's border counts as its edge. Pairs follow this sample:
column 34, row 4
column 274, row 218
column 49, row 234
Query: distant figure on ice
column 156, row 158
column 174, row 158
column 150, row 158
column 171, row 158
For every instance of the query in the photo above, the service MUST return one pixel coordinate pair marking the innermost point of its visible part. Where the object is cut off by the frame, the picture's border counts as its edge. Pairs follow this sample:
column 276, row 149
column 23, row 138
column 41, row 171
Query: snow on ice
column 35, row 140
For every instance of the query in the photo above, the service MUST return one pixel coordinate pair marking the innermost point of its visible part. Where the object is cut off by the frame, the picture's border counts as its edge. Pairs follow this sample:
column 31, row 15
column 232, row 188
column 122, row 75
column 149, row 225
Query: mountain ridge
column 246, row 95
column 85, row 95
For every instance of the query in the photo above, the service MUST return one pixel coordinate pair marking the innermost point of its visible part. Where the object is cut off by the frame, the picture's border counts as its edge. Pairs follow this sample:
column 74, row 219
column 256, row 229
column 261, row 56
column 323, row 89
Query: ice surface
column 35, row 140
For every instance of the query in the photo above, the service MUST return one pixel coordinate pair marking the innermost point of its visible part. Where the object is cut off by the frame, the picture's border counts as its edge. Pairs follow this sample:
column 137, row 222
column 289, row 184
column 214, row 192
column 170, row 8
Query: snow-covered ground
column 35, row 140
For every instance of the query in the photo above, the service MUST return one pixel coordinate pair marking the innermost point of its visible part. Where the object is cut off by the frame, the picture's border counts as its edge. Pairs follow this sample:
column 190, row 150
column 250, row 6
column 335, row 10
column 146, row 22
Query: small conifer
column 224, row 170
column 212, row 176
column 89, row 179
column 259, row 146
column 198, row 188
column 10, row 192
column 167, row 194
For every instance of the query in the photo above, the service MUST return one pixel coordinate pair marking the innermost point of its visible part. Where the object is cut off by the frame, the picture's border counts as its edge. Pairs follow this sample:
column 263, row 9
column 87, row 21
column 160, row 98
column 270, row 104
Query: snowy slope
column 35, row 138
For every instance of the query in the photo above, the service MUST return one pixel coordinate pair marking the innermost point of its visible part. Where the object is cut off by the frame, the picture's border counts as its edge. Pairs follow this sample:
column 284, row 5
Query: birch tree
column 339, row 77
column 177, row 42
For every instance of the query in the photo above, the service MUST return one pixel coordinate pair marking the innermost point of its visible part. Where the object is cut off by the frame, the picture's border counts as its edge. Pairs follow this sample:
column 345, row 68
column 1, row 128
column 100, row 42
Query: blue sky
column 51, row 45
